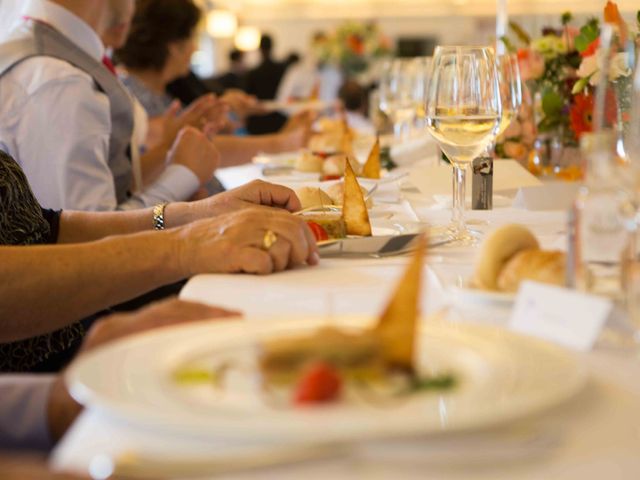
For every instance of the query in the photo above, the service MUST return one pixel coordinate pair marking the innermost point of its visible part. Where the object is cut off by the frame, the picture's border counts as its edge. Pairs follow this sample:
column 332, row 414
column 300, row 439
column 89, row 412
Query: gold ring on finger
column 269, row 239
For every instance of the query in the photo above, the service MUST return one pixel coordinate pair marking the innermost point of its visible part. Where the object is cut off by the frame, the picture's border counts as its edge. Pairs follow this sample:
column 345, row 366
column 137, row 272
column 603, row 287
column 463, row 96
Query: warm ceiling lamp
column 222, row 23
column 248, row 38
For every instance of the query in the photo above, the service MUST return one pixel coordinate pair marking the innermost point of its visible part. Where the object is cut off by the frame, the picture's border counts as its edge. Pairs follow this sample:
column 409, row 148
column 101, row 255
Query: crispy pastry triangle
column 354, row 209
column 372, row 167
column 398, row 324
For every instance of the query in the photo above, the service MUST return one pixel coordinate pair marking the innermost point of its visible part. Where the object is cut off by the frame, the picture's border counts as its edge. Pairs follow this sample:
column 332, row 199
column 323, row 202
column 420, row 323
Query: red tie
column 109, row 64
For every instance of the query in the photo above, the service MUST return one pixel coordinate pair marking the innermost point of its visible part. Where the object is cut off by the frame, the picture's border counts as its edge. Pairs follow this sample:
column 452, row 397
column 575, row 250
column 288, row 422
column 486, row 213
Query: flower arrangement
column 353, row 45
column 560, row 68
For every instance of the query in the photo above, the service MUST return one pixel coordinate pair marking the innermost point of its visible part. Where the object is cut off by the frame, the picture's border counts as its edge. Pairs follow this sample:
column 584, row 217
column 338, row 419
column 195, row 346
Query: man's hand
column 234, row 243
column 62, row 409
column 196, row 152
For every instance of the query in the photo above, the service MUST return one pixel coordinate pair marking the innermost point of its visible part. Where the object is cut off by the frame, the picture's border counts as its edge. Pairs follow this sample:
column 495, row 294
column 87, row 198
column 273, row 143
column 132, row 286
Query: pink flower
column 513, row 130
column 569, row 35
column 531, row 64
column 528, row 132
column 514, row 150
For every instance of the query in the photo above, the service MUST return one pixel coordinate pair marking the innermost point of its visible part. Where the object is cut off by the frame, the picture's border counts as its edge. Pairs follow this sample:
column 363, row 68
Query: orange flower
column 581, row 114
column 612, row 15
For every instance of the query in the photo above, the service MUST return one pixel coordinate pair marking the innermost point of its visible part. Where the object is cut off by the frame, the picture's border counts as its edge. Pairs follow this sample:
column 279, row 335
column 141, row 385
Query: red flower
column 581, row 114
column 591, row 49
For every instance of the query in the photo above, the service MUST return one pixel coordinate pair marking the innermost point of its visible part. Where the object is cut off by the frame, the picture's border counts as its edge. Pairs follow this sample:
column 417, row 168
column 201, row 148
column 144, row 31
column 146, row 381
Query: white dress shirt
column 57, row 126
column 23, row 412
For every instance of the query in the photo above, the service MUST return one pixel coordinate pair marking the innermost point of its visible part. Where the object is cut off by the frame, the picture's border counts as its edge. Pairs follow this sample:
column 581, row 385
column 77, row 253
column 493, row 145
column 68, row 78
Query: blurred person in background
column 236, row 77
column 70, row 122
column 355, row 99
column 263, row 82
column 158, row 51
column 311, row 79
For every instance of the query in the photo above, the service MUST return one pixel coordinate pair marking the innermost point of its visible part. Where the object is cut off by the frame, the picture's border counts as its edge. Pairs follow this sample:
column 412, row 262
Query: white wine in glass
column 463, row 113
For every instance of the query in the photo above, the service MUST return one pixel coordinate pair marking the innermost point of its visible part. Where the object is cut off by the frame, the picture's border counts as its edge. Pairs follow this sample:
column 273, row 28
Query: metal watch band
column 158, row 216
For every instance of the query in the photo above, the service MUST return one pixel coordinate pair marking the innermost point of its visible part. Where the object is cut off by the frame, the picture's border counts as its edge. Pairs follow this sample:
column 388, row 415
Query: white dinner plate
column 469, row 294
column 501, row 376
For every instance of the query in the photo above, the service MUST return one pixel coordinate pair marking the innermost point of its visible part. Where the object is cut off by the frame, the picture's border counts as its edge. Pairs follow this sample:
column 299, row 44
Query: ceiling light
column 221, row 23
column 248, row 38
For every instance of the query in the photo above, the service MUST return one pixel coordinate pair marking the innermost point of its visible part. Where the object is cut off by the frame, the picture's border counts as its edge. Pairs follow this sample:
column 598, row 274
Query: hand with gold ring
column 269, row 239
column 253, row 240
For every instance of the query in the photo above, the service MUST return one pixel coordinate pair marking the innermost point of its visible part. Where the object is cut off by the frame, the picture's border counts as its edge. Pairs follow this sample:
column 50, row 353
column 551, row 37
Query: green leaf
column 548, row 124
column 552, row 103
column 580, row 85
column 588, row 33
column 581, row 43
column 566, row 18
column 520, row 33
column 508, row 45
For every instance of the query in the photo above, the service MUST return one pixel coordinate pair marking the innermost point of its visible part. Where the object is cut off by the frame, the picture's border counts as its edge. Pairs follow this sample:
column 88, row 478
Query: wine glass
column 510, row 89
column 463, row 113
column 402, row 88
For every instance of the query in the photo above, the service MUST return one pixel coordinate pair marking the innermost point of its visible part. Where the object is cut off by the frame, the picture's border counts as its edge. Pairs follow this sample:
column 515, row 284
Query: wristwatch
column 158, row 216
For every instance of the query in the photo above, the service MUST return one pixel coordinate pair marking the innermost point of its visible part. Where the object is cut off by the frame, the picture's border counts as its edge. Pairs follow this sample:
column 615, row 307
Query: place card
column 568, row 317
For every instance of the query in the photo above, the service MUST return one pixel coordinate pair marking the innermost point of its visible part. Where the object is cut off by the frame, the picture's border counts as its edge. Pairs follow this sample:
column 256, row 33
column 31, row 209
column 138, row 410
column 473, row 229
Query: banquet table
column 594, row 435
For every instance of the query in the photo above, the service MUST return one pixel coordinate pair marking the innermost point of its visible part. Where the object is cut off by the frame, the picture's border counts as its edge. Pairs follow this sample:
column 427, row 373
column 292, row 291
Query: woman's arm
column 44, row 288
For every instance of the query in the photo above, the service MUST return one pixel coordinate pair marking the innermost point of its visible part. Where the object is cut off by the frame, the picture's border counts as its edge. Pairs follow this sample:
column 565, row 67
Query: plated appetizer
column 328, row 225
column 330, row 364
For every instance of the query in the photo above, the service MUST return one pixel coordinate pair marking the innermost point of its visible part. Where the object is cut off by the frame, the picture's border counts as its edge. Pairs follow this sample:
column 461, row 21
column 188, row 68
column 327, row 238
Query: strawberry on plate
column 320, row 383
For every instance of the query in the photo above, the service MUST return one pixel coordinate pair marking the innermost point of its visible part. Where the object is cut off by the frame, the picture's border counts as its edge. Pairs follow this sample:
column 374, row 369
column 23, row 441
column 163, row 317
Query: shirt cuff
column 176, row 184
column 24, row 423
column 178, row 181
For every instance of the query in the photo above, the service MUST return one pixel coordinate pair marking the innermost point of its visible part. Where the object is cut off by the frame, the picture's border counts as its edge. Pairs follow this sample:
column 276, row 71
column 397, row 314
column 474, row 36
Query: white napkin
column 437, row 180
column 550, row 196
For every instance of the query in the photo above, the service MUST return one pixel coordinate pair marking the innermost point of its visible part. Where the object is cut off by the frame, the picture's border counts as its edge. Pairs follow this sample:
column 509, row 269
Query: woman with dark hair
column 158, row 51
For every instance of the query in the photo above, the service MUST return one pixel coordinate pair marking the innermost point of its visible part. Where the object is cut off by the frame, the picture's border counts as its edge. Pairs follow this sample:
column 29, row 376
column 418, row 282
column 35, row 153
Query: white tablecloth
column 596, row 435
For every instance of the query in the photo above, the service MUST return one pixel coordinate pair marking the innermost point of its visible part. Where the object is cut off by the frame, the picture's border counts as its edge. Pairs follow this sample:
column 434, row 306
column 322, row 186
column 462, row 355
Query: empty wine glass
column 463, row 113
column 402, row 92
column 510, row 89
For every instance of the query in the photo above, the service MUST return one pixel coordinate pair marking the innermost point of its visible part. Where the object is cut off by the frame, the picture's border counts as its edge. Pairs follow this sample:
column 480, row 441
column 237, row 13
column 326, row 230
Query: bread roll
column 532, row 264
column 336, row 192
column 313, row 197
column 499, row 246
column 327, row 143
column 308, row 162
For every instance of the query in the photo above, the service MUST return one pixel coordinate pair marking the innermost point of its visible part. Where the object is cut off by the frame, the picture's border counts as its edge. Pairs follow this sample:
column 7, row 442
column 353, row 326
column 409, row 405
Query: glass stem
column 459, row 185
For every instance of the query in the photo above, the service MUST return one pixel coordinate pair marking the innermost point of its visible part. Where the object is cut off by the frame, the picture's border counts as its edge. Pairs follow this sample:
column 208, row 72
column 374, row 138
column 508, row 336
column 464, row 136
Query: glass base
column 457, row 238
column 464, row 236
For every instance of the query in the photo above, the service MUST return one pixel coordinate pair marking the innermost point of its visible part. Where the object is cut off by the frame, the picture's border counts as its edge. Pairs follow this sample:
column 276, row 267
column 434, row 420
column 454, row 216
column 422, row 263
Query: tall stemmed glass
column 510, row 89
column 463, row 112
column 399, row 90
